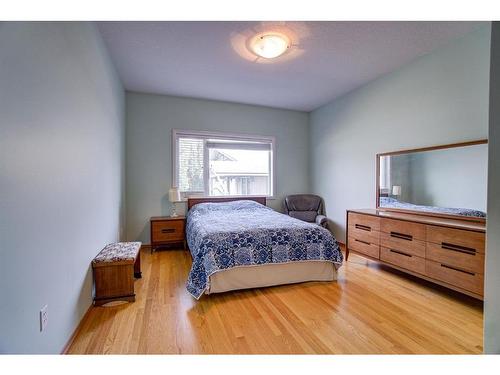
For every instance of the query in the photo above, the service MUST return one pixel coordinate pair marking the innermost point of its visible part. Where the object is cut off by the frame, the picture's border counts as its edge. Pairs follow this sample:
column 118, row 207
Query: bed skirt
column 246, row 277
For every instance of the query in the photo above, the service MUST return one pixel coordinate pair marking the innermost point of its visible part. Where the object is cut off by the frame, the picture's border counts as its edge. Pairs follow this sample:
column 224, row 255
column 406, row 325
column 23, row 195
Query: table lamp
column 174, row 196
column 396, row 190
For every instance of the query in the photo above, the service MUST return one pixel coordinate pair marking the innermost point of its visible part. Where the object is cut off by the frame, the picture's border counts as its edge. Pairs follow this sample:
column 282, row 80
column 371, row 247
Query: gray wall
column 150, row 120
column 401, row 175
column 439, row 98
column 492, row 278
column 455, row 177
column 61, row 176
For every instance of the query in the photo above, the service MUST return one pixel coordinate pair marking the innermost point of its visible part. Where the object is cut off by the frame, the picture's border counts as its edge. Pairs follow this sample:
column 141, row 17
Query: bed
column 389, row 202
column 241, row 243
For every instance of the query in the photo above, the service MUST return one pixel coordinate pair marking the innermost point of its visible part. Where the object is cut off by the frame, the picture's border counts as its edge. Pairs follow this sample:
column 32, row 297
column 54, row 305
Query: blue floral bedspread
column 245, row 233
column 394, row 203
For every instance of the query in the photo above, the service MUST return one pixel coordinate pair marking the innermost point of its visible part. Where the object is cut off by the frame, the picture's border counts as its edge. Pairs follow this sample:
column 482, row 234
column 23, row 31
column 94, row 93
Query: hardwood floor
column 370, row 309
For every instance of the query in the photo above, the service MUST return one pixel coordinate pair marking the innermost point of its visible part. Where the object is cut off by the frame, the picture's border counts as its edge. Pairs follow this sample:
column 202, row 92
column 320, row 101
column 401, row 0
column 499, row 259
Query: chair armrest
column 321, row 220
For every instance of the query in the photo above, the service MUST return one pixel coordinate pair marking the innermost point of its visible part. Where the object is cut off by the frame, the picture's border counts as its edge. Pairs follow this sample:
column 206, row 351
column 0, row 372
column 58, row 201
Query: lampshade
column 269, row 46
column 396, row 190
column 174, row 195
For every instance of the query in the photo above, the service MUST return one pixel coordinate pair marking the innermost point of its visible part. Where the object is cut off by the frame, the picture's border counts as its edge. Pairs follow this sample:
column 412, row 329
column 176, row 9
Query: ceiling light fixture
column 269, row 46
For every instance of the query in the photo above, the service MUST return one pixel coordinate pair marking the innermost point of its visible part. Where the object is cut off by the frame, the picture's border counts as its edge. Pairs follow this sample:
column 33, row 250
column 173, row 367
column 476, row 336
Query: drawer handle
column 170, row 230
column 402, row 236
column 366, row 243
column 458, row 270
column 363, row 227
column 460, row 249
column 400, row 253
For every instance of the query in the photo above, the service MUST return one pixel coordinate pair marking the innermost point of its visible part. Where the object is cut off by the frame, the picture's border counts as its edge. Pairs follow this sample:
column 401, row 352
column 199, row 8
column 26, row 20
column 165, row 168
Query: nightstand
column 167, row 230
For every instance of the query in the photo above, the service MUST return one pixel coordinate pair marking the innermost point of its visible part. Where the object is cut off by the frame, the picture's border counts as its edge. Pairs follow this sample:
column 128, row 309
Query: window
column 217, row 164
column 385, row 173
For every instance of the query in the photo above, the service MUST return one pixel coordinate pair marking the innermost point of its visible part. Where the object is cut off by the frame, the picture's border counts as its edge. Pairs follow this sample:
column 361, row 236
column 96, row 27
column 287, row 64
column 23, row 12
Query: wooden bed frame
column 193, row 201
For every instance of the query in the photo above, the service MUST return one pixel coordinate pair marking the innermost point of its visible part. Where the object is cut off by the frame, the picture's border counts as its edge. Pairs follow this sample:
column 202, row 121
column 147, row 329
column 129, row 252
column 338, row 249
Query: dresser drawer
column 364, row 234
column 466, row 260
column 363, row 247
column 403, row 259
column 403, row 229
column 164, row 231
column 473, row 282
column 366, row 222
column 456, row 238
column 409, row 246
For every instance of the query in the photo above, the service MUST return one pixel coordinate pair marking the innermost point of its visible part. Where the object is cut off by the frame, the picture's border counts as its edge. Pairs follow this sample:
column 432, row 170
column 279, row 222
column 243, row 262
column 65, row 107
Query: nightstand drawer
column 164, row 231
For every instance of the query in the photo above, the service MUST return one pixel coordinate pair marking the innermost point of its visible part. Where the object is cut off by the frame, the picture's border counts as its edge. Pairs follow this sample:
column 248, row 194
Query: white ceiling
column 210, row 60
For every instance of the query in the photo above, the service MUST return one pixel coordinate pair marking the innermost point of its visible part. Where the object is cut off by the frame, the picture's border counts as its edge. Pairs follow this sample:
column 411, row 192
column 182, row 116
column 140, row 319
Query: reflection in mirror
column 444, row 181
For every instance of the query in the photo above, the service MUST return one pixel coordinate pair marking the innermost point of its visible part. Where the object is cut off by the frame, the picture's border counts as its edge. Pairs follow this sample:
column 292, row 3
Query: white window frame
column 385, row 173
column 176, row 133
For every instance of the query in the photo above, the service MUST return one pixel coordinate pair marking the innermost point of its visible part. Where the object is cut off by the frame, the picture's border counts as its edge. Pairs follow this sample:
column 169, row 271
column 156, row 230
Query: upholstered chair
column 306, row 207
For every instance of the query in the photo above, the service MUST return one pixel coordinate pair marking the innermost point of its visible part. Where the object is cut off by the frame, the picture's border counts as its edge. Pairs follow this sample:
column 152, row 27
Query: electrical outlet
column 44, row 318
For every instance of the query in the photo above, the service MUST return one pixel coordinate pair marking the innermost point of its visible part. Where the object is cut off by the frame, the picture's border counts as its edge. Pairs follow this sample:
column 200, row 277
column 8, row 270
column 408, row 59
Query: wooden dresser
column 449, row 252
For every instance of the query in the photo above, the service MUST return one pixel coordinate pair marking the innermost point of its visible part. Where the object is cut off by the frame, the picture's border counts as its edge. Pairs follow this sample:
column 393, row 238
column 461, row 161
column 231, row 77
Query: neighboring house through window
column 220, row 164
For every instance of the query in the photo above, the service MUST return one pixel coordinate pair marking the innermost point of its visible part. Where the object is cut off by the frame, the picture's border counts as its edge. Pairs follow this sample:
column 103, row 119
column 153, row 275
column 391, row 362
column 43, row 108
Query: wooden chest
column 115, row 269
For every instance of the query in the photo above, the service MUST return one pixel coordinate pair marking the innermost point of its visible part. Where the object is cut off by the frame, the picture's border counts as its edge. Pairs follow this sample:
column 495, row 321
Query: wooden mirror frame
column 436, row 214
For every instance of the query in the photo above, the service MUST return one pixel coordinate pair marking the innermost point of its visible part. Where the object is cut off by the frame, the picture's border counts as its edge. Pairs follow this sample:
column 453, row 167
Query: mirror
column 441, row 181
